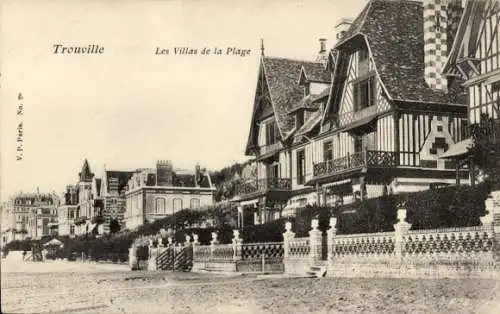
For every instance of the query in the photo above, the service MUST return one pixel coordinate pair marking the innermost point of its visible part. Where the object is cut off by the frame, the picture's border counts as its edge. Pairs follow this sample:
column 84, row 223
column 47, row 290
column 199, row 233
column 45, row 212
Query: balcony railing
column 370, row 158
column 270, row 148
column 262, row 185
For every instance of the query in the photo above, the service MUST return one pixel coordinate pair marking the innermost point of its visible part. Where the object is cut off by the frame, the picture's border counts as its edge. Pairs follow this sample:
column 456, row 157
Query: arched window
column 177, row 204
column 194, row 203
column 160, row 205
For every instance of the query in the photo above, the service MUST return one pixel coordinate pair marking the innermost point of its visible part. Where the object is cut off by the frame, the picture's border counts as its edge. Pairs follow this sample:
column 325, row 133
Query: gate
column 175, row 258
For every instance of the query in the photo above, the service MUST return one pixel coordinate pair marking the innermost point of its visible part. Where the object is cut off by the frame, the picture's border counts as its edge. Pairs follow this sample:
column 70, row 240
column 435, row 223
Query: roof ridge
column 292, row 59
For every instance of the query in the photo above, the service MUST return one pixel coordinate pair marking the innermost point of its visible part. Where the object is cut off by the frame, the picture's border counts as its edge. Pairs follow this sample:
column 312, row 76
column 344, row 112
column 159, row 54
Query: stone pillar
column 213, row 244
column 492, row 220
column 153, row 254
column 132, row 257
column 237, row 245
column 401, row 229
column 315, row 241
column 331, row 233
column 195, row 245
column 287, row 237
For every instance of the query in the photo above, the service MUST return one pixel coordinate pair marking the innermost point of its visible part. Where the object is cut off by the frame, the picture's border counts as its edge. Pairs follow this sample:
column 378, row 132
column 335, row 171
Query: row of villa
column 387, row 110
column 113, row 202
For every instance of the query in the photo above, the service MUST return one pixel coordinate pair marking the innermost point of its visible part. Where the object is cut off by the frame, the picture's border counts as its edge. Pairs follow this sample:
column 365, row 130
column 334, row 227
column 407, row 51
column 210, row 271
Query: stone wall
column 451, row 252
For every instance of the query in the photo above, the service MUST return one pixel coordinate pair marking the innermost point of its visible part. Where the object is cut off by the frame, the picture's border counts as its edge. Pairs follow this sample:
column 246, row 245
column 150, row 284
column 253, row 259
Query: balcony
column 262, row 186
column 267, row 151
column 356, row 161
column 359, row 117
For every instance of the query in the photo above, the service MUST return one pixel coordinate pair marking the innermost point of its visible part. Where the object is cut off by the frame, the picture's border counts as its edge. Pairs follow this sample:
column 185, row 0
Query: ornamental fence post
column 237, row 245
column 287, row 237
column 153, row 253
column 492, row 220
column 315, row 241
column 401, row 230
column 213, row 244
column 331, row 233
column 195, row 245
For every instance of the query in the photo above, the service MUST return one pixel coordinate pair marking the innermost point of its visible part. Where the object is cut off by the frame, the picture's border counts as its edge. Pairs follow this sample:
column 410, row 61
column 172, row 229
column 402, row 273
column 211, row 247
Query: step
column 317, row 271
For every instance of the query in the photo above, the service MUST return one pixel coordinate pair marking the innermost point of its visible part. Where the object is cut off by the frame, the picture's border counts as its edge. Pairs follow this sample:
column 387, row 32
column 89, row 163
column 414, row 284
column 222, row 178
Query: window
column 273, row 171
column 160, row 205
column 364, row 93
column 299, row 118
column 495, row 87
column 72, row 229
column 177, row 204
column 194, row 203
column 327, row 150
column 358, row 144
column 363, row 55
column 271, row 133
column 301, row 166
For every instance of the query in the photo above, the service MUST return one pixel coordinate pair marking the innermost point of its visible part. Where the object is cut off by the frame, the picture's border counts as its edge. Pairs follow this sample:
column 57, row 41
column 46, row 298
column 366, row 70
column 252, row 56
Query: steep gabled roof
column 85, row 175
column 313, row 121
column 279, row 76
column 393, row 31
column 465, row 42
column 315, row 72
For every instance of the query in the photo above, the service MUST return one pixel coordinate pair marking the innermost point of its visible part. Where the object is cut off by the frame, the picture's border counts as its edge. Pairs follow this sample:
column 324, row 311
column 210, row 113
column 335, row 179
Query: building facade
column 156, row 193
column 373, row 119
column 475, row 58
column 29, row 215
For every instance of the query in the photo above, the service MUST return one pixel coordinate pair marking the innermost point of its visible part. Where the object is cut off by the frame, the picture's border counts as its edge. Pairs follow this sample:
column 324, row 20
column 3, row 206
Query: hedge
column 451, row 206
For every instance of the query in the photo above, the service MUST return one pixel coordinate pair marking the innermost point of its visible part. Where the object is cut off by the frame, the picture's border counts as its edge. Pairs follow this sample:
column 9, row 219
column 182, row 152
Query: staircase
column 316, row 271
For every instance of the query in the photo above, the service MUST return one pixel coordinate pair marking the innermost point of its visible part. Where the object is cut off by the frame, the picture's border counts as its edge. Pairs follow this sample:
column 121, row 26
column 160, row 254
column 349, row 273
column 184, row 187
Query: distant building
column 156, row 193
column 111, row 201
column 29, row 215
column 68, row 211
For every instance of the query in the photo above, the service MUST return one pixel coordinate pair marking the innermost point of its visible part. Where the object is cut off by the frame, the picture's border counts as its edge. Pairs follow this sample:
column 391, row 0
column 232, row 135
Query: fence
column 471, row 251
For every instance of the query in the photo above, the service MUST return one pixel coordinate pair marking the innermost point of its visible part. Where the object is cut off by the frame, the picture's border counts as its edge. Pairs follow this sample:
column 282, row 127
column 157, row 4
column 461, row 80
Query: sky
column 128, row 107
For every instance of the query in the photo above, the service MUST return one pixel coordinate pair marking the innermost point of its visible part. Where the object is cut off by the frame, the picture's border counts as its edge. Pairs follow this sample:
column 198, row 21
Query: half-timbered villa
column 475, row 58
column 373, row 119
column 391, row 113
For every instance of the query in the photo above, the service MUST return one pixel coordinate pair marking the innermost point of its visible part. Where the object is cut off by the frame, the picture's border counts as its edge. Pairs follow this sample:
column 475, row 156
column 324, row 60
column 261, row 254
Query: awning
column 359, row 123
column 341, row 182
column 250, row 202
column 459, row 149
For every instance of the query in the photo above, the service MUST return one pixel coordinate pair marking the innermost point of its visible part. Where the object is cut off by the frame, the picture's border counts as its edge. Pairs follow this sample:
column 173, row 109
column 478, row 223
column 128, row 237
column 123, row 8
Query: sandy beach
column 79, row 287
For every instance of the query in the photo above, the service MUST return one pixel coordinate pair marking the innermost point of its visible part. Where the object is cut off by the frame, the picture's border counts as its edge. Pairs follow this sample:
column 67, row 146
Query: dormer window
column 271, row 133
column 299, row 118
column 363, row 55
column 307, row 89
column 364, row 93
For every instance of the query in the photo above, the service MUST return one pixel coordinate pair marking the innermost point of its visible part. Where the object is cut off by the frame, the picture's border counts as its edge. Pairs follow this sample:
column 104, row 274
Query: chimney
column 441, row 18
column 164, row 173
column 322, row 56
column 341, row 28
